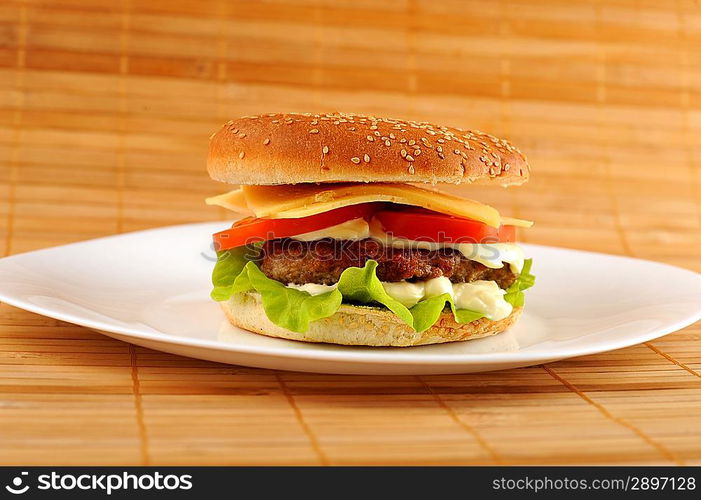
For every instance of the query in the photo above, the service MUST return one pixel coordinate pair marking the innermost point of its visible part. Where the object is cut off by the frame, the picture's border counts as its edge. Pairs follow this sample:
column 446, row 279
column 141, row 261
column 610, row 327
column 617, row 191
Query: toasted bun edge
column 361, row 325
column 277, row 148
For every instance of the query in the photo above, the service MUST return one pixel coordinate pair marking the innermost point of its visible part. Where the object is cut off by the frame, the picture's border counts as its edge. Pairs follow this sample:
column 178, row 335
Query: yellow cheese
column 512, row 221
column 303, row 200
column 233, row 200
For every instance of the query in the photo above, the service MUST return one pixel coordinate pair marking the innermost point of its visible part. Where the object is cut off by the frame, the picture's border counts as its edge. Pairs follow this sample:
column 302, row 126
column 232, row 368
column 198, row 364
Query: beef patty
column 323, row 261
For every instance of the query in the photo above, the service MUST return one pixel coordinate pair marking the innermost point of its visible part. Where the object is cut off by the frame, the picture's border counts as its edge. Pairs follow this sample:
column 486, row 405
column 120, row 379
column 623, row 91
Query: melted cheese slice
column 303, row 200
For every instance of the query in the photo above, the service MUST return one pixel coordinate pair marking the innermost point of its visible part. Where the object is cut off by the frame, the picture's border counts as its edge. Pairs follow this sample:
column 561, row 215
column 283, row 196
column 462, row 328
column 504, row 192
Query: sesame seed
column 456, row 151
column 325, row 150
column 373, row 127
column 314, row 131
column 506, row 167
column 403, row 153
column 370, row 138
column 366, row 158
column 242, row 135
column 409, row 158
column 402, row 140
column 417, row 152
column 377, row 133
column 266, row 142
column 441, row 156
column 355, row 160
column 412, row 142
column 440, row 140
column 439, row 149
column 387, row 143
column 242, row 154
column 411, row 169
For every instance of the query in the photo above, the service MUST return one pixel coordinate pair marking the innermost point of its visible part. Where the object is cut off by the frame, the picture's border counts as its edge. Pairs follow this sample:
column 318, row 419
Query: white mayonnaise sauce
column 480, row 296
column 354, row 229
column 312, row 288
column 406, row 293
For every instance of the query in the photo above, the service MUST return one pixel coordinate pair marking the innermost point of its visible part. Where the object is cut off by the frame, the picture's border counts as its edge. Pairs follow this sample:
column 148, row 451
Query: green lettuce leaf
column 287, row 307
column 514, row 294
column 229, row 265
column 361, row 284
column 294, row 309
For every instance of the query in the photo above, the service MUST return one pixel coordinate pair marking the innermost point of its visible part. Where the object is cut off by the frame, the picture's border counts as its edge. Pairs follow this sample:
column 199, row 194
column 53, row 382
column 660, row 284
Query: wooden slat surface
column 105, row 111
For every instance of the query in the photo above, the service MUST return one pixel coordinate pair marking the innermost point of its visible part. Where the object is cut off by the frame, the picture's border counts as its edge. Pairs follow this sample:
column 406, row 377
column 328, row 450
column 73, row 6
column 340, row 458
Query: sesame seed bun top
column 291, row 148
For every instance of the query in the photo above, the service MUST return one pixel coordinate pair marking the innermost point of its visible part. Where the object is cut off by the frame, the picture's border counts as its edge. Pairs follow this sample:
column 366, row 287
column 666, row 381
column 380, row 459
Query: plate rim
column 371, row 355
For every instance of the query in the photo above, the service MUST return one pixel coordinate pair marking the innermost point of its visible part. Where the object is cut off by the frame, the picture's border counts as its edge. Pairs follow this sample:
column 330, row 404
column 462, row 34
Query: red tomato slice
column 425, row 225
column 252, row 230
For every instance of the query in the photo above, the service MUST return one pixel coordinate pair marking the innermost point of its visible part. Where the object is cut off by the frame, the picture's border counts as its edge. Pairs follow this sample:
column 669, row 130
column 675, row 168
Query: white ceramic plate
column 151, row 288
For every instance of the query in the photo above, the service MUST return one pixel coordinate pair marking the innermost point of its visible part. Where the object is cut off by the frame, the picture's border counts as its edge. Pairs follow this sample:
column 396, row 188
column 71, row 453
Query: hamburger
column 346, row 234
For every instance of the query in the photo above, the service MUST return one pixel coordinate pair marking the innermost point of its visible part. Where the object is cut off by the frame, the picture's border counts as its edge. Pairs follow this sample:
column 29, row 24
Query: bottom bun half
column 362, row 325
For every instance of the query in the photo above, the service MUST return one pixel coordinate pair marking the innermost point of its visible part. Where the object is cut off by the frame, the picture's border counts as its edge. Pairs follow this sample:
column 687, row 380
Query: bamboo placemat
column 105, row 111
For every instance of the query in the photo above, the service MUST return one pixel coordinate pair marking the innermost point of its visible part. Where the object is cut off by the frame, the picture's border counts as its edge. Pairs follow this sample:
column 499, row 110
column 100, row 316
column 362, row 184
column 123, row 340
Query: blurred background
column 106, row 107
